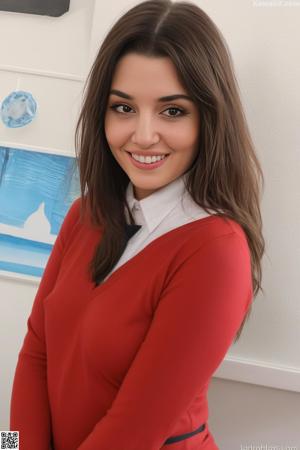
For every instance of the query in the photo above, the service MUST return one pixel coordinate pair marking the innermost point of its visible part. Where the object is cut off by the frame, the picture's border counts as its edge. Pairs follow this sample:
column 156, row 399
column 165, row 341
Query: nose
column 145, row 133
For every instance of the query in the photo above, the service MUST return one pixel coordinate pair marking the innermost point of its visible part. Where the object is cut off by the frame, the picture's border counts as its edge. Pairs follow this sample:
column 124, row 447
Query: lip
column 146, row 166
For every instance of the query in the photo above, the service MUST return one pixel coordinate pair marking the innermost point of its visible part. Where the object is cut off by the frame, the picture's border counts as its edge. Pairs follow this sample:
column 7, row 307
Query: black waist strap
column 173, row 439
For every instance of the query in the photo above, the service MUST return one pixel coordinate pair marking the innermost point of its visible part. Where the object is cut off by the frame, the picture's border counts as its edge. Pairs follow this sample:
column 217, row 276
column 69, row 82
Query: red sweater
column 126, row 365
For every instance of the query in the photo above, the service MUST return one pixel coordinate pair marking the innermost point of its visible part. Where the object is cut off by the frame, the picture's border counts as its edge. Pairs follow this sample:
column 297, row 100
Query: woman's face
column 145, row 125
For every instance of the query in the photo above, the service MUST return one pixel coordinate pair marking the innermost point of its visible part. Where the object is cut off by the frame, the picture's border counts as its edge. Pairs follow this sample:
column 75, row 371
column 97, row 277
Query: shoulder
column 74, row 209
column 223, row 226
column 210, row 254
column 211, row 228
column 70, row 220
column 214, row 237
column 73, row 213
column 223, row 247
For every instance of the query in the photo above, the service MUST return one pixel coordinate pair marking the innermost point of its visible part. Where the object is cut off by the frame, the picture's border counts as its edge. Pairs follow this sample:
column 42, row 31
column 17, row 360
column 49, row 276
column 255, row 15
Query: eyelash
column 182, row 111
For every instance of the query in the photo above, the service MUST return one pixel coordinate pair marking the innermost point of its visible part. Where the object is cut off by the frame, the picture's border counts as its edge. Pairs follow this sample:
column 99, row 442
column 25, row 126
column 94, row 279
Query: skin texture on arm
column 29, row 407
column 195, row 322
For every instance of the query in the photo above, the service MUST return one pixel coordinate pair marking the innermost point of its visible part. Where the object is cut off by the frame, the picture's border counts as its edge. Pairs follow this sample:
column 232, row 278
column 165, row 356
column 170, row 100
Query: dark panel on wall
column 53, row 8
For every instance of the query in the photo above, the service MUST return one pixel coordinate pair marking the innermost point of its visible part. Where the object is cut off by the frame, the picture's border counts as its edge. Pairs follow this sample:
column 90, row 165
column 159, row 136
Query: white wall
column 49, row 57
column 264, row 41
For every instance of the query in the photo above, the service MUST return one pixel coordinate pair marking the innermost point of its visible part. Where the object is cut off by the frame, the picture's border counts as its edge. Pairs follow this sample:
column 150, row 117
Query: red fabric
column 126, row 365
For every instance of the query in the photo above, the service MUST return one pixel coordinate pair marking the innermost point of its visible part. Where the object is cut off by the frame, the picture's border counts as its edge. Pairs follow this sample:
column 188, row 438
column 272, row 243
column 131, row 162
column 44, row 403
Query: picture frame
column 36, row 191
column 54, row 8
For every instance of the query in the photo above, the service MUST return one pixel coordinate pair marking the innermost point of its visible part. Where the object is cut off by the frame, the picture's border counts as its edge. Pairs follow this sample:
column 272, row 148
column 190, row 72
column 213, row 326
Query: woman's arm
column 198, row 315
column 29, row 408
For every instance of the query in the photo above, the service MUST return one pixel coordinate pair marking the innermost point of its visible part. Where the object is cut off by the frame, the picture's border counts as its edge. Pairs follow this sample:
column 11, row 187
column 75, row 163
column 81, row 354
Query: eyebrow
column 166, row 98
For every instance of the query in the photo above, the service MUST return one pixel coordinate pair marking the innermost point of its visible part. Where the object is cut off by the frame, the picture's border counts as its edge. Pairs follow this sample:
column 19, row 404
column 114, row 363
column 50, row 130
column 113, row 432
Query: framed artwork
column 42, row 7
column 36, row 191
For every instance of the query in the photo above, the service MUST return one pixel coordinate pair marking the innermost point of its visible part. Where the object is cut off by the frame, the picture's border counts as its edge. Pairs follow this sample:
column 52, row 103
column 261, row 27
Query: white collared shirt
column 163, row 210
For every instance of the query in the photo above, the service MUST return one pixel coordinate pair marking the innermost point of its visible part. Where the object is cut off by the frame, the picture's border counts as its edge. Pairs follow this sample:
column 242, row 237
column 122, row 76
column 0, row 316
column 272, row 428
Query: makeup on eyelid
column 181, row 110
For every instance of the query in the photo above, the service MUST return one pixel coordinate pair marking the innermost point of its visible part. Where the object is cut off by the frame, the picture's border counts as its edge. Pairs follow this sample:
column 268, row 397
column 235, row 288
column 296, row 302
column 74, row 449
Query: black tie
column 130, row 230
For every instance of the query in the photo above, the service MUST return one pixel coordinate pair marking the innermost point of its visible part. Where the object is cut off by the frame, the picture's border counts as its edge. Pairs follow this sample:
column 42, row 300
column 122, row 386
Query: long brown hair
column 225, row 177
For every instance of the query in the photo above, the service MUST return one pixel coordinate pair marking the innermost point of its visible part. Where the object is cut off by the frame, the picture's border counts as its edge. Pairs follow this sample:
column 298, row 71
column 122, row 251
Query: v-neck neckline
column 118, row 272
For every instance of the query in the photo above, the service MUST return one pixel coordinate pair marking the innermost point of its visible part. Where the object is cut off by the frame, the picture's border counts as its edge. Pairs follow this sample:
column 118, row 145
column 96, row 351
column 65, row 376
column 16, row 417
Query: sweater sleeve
column 196, row 319
column 29, row 407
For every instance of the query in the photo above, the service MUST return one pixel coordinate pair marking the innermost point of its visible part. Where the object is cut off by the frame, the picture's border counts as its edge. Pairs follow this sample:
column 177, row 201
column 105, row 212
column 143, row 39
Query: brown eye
column 182, row 112
column 114, row 107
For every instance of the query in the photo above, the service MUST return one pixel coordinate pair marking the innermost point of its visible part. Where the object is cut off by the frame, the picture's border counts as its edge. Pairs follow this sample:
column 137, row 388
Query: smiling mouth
column 162, row 154
column 147, row 165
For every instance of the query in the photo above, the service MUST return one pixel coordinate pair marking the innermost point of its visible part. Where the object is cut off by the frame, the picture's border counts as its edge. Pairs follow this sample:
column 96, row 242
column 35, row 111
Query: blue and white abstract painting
column 36, row 191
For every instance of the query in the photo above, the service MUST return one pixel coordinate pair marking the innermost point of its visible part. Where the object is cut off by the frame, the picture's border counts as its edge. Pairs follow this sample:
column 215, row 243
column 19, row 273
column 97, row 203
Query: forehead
column 140, row 75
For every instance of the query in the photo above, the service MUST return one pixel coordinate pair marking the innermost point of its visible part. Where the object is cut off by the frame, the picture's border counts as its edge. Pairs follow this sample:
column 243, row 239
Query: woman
column 154, row 270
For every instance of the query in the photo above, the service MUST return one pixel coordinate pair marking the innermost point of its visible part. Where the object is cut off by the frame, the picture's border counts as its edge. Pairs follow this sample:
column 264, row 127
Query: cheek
column 184, row 137
column 116, row 133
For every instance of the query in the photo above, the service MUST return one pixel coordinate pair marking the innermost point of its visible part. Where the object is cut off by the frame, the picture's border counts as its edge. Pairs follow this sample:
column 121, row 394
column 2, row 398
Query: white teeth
column 147, row 159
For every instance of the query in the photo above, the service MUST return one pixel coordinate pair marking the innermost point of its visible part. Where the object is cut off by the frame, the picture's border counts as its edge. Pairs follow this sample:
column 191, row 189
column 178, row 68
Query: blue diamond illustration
column 18, row 109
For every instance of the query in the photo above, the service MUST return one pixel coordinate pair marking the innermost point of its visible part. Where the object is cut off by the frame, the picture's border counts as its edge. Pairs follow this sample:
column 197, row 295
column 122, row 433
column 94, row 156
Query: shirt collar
column 154, row 208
